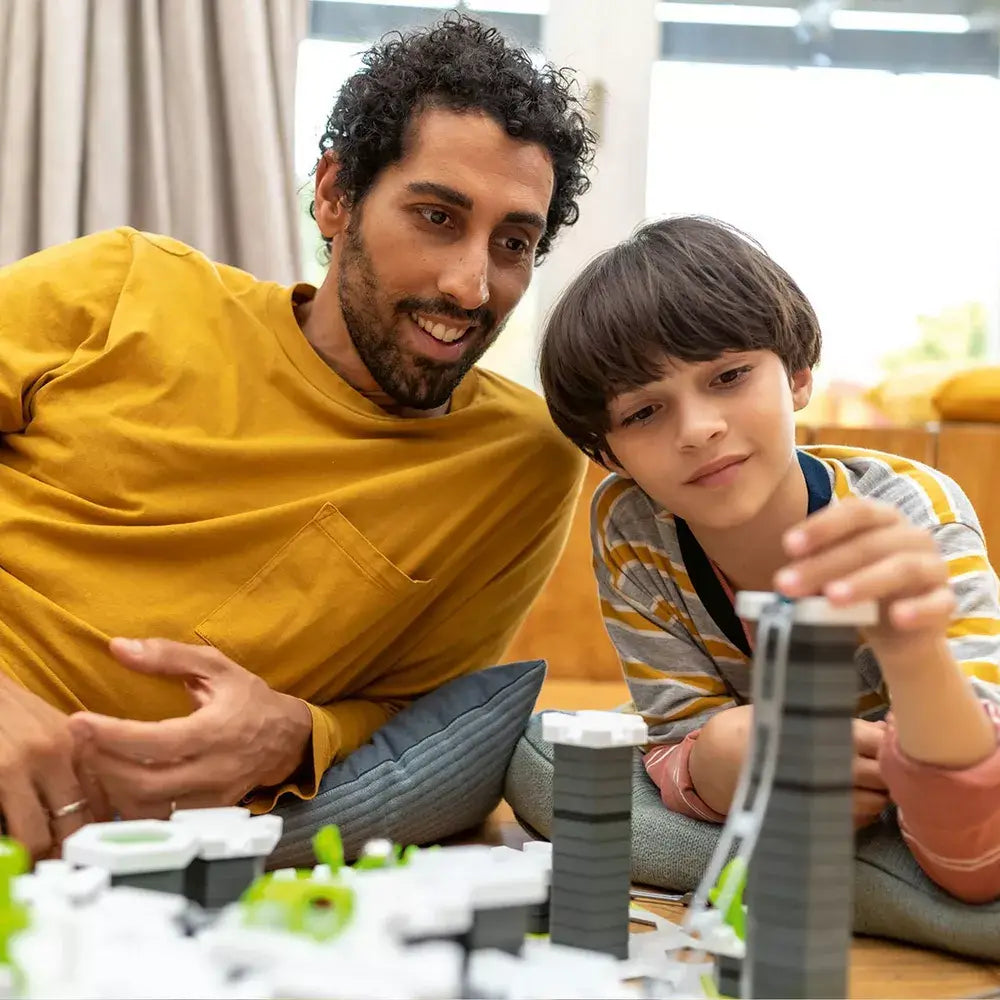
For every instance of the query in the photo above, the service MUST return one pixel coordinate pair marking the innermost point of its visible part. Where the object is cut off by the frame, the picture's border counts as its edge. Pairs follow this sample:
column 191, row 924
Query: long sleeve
column 950, row 819
column 673, row 678
column 53, row 305
column 670, row 769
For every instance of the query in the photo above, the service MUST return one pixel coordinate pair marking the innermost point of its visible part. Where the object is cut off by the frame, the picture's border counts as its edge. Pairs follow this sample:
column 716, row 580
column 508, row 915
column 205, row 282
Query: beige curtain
column 173, row 116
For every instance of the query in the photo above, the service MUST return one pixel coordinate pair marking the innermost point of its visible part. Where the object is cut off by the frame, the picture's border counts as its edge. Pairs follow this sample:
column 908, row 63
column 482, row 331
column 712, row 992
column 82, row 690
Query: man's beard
column 414, row 381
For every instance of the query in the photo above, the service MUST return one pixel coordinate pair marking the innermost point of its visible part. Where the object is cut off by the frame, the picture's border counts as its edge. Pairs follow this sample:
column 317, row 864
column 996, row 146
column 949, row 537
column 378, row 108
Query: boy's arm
column 674, row 682
column 940, row 760
column 938, row 601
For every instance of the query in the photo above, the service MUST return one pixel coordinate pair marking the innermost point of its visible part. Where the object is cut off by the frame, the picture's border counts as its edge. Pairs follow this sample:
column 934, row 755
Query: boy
column 677, row 360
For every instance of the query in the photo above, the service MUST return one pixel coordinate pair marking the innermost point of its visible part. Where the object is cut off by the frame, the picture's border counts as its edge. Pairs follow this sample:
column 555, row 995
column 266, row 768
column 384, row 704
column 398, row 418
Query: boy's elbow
column 974, row 888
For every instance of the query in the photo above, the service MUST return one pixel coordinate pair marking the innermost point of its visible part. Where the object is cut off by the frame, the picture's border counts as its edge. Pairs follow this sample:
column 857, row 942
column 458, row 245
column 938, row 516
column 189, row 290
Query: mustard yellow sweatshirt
column 177, row 461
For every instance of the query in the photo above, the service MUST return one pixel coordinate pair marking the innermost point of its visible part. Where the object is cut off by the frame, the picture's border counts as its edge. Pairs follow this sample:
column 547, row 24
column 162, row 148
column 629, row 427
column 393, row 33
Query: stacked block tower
column 592, row 827
column 801, row 872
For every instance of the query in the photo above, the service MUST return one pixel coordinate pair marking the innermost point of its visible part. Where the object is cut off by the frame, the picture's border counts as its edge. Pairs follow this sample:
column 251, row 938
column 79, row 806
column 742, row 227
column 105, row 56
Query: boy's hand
column 870, row 793
column 863, row 550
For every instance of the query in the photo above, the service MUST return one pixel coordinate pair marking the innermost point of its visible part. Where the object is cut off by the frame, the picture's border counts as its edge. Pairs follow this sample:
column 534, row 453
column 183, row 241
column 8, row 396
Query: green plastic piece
column 396, row 857
column 734, row 873
column 328, row 846
column 14, row 861
column 711, row 990
column 131, row 837
column 317, row 910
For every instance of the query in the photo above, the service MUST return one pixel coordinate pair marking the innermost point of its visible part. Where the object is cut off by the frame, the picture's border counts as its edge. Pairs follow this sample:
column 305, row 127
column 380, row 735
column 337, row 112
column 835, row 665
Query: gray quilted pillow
column 893, row 898
column 431, row 771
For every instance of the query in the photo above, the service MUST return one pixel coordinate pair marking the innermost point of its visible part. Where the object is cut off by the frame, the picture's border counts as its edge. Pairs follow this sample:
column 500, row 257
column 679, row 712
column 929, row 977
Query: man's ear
column 802, row 387
column 330, row 207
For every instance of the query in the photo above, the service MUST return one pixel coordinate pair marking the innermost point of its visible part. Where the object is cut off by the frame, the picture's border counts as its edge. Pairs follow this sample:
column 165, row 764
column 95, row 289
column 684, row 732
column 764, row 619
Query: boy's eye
column 734, row 375
column 639, row 417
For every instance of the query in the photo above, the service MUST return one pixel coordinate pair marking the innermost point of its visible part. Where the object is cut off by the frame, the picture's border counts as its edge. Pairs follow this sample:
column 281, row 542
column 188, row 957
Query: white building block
column 230, row 832
column 808, row 610
column 596, row 730
column 131, row 847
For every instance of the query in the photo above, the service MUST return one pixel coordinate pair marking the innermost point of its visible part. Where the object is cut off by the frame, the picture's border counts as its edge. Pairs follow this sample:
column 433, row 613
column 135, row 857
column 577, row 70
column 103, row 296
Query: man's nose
column 465, row 280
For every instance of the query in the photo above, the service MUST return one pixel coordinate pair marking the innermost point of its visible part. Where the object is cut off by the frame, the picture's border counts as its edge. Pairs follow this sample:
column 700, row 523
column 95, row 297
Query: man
column 311, row 497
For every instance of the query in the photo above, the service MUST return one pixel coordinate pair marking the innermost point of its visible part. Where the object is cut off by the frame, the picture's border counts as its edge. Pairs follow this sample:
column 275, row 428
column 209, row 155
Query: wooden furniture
column 879, row 968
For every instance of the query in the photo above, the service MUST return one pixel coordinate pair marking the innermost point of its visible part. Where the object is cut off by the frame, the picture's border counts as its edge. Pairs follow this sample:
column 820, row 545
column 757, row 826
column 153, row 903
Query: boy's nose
column 698, row 425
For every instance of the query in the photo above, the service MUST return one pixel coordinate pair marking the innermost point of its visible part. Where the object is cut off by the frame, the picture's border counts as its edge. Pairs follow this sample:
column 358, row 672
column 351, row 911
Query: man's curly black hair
column 461, row 65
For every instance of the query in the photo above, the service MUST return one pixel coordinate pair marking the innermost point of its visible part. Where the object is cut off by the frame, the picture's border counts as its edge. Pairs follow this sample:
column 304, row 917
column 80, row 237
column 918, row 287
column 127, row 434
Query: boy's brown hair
column 687, row 289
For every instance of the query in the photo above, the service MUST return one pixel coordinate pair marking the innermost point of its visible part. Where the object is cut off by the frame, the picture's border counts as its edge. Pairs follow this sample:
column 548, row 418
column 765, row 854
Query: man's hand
column 45, row 791
column 241, row 734
column 721, row 748
column 863, row 550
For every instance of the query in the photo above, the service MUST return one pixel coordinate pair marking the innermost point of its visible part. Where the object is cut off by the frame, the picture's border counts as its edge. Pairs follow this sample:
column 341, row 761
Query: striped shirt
column 685, row 654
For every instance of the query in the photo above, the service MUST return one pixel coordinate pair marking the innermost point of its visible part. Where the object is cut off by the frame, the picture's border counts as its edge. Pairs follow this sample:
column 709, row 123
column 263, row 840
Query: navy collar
column 703, row 578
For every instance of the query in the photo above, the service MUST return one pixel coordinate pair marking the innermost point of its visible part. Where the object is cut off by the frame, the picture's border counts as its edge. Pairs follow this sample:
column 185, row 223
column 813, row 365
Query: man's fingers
column 25, row 818
column 169, row 658
column 142, row 791
column 835, row 523
column 158, row 742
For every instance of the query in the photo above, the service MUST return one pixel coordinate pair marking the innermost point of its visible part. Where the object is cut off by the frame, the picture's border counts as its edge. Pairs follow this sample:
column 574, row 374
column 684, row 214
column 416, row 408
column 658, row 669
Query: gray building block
column 214, row 884
column 501, row 927
column 727, row 975
column 171, row 881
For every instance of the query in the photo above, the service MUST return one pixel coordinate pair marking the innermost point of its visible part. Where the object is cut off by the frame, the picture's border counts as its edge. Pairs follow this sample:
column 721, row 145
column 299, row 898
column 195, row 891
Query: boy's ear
column 802, row 387
column 329, row 204
column 608, row 460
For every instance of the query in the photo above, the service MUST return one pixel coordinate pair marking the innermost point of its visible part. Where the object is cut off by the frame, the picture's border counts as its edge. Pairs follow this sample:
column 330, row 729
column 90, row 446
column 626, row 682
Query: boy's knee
column 727, row 734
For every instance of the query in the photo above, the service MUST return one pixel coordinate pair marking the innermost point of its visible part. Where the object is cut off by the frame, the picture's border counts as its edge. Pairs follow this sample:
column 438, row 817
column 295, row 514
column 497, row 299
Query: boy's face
column 711, row 440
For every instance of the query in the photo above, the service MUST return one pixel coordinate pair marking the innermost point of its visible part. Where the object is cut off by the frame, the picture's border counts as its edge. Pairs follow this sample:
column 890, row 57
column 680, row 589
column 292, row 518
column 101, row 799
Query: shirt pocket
column 325, row 587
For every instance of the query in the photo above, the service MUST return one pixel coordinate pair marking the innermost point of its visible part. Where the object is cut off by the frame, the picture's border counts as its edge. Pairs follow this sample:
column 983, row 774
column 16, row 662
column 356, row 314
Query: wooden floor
column 879, row 969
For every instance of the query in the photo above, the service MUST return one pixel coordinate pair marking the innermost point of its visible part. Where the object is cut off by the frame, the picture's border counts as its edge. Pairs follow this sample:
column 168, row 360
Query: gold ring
column 68, row 810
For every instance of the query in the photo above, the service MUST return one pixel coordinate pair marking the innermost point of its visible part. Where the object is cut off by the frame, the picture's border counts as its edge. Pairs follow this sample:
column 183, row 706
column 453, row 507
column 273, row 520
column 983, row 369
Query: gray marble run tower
column 592, row 827
column 791, row 818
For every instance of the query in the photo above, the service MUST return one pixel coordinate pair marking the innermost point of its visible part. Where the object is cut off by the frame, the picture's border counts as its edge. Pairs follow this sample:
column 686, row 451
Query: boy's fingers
column 912, row 614
column 812, row 574
column 910, row 574
column 868, row 737
column 867, row 806
column 865, row 773
column 836, row 522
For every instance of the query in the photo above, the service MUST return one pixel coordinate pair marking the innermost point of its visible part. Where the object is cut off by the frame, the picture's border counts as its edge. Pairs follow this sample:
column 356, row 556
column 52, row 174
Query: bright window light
column 486, row 6
column 893, row 20
column 727, row 13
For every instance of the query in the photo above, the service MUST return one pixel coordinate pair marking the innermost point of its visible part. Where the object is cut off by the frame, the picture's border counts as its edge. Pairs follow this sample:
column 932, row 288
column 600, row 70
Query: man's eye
column 435, row 216
column 515, row 245
column 639, row 417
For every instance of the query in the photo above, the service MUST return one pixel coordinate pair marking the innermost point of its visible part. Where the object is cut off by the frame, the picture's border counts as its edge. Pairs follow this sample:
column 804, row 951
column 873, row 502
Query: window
column 876, row 191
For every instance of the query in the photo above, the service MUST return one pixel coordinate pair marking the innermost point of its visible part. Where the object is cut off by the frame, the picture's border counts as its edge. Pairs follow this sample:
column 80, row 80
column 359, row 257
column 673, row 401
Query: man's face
column 440, row 251
column 711, row 440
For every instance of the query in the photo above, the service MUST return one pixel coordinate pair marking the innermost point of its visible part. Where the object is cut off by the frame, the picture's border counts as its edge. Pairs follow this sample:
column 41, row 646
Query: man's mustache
column 481, row 317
